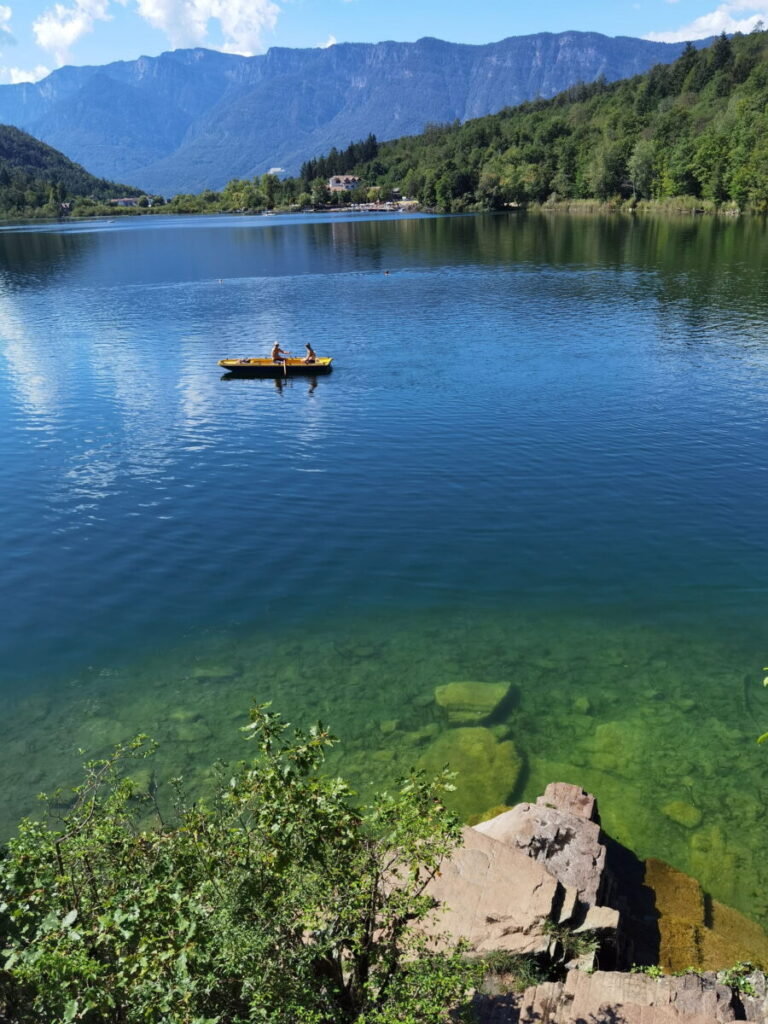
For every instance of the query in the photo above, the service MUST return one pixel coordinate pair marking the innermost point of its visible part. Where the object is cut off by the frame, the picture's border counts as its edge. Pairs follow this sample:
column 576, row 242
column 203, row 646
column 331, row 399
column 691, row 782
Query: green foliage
column 650, row 970
column 524, row 968
column 275, row 900
column 696, row 128
column 738, row 977
column 574, row 944
column 764, row 737
column 36, row 180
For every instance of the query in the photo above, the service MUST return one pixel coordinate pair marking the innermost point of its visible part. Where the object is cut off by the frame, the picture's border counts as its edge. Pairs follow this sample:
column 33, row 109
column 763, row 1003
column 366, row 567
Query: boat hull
column 269, row 368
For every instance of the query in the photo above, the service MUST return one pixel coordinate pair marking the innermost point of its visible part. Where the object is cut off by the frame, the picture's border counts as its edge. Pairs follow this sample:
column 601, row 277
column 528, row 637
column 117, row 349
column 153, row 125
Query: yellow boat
column 257, row 367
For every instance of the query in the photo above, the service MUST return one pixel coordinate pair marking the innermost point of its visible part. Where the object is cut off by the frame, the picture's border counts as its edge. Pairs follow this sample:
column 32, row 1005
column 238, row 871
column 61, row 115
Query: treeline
column 692, row 134
column 37, row 180
column 697, row 128
column 339, row 162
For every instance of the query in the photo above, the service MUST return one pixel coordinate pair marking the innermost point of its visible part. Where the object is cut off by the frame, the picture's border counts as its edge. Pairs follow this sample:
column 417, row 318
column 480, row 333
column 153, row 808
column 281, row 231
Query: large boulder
column 566, row 841
column 494, row 897
column 487, row 770
column 470, row 703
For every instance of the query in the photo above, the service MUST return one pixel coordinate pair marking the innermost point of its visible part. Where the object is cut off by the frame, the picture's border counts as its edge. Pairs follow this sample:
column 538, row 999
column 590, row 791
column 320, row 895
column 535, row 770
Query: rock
column 492, row 896
column 420, row 736
column 101, row 731
column 599, row 919
column 627, row 998
column 183, row 715
column 192, row 732
column 142, row 779
column 213, row 672
column 487, row 771
column 682, row 813
column 469, row 703
column 492, row 812
column 691, row 936
column 618, row 747
column 388, row 726
column 570, row 800
column 582, row 706
column 567, row 844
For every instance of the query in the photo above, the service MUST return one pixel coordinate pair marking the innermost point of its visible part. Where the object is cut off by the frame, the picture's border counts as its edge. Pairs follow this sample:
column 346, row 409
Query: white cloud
column 5, row 25
column 185, row 22
column 330, row 41
column 59, row 28
column 242, row 23
column 12, row 76
column 732, row 16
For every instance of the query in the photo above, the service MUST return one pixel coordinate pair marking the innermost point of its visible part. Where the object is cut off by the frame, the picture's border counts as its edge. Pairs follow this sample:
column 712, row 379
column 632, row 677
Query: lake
column 540, row 460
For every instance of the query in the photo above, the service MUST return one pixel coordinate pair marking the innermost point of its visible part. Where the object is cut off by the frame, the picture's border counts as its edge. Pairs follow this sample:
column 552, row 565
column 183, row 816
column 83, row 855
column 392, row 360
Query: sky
column 37, row 36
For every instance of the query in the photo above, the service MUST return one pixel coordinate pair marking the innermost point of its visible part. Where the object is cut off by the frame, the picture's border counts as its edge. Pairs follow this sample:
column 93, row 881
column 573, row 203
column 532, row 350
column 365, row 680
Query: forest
column 696, row 130
column 37, row 180
column 692, row 135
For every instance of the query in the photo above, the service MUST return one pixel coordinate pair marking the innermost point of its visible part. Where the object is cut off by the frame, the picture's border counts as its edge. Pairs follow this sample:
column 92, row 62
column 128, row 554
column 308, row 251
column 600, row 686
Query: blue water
column 543, row 440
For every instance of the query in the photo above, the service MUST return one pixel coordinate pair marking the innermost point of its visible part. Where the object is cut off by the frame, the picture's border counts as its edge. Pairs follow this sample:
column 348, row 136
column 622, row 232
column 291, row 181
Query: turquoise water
column 540, row 460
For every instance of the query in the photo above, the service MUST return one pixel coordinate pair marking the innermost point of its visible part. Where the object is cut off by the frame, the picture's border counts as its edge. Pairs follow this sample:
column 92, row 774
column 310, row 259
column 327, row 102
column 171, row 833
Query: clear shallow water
column 540, row 459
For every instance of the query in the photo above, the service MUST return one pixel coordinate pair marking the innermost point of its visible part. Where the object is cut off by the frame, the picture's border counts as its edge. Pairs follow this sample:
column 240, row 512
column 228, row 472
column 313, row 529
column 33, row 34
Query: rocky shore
column 654, row 948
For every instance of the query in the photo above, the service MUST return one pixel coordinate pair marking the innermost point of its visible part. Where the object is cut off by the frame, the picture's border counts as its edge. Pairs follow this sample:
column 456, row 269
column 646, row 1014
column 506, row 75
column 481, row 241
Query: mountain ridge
column 193, row 119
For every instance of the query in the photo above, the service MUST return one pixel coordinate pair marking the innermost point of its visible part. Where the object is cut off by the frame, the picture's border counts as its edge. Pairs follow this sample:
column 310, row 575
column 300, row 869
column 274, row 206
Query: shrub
column 276, row 900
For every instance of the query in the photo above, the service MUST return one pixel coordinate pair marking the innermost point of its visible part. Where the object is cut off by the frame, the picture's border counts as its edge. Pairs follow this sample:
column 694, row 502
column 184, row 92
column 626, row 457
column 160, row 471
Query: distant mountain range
column 194, row 119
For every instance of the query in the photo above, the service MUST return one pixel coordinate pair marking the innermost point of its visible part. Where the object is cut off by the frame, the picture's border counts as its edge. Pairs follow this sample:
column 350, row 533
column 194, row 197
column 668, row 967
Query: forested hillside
column 697, row 128
column 192, row 119
column 36, row 179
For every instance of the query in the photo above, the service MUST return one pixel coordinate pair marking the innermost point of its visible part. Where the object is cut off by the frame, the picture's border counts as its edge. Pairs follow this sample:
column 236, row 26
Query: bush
column 275, row 900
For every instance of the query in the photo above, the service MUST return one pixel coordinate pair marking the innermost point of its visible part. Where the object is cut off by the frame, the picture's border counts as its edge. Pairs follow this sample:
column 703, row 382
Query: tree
column 275, row 901
column 641, row 168
column 320, row 193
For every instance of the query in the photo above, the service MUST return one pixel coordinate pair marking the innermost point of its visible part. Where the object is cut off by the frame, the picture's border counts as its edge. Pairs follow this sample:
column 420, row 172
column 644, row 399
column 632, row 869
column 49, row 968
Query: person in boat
column 310, row 357
column 279, row 355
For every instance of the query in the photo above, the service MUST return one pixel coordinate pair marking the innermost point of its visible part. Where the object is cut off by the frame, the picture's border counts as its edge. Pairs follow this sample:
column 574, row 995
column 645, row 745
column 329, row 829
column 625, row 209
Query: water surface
column 540, row 459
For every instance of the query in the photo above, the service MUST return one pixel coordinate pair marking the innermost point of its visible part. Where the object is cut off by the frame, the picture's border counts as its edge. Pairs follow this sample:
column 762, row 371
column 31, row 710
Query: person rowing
column 279, row 355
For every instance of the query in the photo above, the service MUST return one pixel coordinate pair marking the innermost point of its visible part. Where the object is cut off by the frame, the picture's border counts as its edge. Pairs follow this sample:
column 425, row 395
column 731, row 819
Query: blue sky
column 37, row 36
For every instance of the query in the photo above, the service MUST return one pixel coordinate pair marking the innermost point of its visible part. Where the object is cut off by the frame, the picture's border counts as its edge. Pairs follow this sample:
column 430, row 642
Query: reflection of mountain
column 192, row 119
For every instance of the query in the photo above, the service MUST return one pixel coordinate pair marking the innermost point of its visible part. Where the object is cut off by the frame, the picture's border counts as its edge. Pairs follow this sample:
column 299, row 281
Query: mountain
column 194, row 119
column 694, row 130
column 33, row 175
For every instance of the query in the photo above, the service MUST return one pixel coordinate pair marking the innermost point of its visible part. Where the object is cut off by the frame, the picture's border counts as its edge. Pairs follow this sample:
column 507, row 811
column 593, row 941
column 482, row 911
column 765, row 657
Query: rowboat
column 264, row 367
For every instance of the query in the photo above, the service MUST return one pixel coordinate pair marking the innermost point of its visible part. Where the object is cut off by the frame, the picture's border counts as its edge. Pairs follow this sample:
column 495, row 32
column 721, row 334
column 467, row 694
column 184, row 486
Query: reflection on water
column 540, row 460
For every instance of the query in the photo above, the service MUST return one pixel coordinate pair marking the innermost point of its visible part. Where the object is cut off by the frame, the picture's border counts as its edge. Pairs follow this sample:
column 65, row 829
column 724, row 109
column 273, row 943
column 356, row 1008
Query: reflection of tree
column 34, row 256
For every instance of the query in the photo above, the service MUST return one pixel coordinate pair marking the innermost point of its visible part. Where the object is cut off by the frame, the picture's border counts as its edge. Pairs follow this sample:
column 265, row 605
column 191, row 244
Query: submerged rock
column 192, row 732
column 682, row 813
column 469, row 703
column 694, row 931
column 487, row 771
column 213, row 672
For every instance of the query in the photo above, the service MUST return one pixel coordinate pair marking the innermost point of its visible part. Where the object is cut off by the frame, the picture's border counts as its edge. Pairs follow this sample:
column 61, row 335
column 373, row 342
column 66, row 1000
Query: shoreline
column 680, row 206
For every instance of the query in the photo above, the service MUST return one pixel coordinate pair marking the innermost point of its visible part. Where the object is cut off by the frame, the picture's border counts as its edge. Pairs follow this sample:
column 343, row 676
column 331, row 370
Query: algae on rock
column 487, row 771
column 470, row 703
